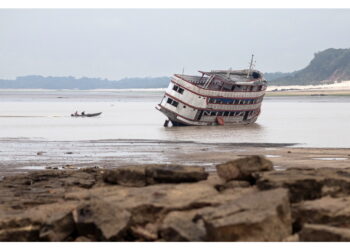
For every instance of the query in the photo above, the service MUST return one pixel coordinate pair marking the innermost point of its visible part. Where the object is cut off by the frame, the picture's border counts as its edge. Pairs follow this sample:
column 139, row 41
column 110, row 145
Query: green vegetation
column 328, row 66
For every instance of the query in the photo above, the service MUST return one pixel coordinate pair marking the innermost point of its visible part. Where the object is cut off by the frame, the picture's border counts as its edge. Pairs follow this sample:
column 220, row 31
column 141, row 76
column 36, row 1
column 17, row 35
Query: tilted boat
column 217, row 97
column 86, row 115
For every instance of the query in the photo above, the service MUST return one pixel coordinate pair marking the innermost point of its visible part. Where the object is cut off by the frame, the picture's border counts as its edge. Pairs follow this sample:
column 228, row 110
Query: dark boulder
column 314, row 232
column 174, row 174
column 131, row 176
column 101, row 219
column 327, row 211
column 181, row 226
column 244, row 168
column 262, row 216
column 308, row 184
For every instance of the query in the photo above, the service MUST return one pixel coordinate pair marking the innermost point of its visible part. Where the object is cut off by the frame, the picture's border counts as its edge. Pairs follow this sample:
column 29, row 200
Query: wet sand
column 25, row 155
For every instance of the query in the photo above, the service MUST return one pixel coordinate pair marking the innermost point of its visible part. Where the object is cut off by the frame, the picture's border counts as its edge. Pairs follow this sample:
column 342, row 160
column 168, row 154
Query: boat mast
column 250, row 66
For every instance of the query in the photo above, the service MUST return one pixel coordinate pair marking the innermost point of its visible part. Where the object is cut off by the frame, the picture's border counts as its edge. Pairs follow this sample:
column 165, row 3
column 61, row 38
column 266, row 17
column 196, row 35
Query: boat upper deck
column 227, row 80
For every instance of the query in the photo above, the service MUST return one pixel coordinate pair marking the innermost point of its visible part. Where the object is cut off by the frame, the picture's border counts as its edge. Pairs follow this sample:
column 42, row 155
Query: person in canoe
column 83, row 113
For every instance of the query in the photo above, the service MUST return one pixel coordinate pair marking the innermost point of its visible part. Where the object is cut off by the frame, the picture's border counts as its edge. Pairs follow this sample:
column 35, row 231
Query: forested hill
column 327, row 66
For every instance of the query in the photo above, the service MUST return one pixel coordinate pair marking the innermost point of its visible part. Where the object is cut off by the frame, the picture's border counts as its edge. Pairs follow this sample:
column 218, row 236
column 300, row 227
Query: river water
column 310, row 121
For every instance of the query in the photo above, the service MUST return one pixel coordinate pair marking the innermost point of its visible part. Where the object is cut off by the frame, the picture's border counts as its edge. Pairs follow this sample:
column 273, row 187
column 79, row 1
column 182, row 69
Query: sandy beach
column 335, row 89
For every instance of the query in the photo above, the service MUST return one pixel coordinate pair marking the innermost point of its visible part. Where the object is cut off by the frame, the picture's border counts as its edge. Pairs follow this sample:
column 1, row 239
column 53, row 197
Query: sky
column 119, row 43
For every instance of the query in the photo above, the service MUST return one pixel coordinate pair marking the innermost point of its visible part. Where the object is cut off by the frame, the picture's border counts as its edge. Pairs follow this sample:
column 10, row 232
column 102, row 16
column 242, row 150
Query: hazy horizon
column 119, row 43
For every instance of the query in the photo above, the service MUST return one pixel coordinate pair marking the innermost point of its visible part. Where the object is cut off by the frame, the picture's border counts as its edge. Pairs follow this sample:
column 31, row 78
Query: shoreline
column 274, row 90
column 308, row 92
column 19, row 156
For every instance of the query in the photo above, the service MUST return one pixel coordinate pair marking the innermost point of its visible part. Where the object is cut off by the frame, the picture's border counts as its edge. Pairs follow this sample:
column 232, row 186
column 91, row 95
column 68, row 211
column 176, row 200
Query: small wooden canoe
column 87, row 115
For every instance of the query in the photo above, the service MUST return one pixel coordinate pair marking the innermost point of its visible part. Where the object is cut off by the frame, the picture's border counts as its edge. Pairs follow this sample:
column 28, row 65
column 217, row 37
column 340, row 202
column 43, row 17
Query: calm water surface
column 314, row 121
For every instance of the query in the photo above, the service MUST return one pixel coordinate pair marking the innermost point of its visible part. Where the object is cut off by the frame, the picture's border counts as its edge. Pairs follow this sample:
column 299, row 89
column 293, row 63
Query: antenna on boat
column 250, row 66
column 228, row 72
column 183, row 69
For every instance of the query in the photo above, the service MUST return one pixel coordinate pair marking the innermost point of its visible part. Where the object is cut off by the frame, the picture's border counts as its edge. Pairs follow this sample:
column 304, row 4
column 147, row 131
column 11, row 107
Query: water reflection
column 227, row 133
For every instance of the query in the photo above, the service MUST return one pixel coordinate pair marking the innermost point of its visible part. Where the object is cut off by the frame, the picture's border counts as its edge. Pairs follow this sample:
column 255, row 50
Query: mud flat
column 24, row 155
column 245, row 199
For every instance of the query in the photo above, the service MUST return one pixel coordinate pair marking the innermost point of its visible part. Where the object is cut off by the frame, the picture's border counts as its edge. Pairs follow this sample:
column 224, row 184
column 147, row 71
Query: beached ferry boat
column 217, row 97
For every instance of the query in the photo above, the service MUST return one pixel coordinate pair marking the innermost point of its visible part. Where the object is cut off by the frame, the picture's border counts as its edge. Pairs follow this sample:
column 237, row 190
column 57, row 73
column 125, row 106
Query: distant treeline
column 328, row 66
column 40, row 82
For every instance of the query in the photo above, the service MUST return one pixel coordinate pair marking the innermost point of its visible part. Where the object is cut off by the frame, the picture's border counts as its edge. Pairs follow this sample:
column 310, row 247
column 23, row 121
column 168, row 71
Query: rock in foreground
column 244, row 168
column 261, row 216
column 177, row 203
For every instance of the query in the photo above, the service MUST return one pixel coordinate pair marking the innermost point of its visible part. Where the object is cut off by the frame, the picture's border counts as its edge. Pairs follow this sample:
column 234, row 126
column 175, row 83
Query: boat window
column 221, row 100
column 226, row 113
column 213, row 113
column 172, row 102
column 178, row 89
column 219, row 113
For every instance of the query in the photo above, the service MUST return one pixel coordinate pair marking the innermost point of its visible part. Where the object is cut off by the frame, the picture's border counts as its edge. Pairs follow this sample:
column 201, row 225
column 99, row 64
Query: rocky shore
column 244, row 200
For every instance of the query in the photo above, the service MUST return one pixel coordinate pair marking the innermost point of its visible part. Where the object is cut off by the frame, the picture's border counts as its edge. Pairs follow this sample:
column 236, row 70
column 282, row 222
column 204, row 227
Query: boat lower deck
column 179, row 120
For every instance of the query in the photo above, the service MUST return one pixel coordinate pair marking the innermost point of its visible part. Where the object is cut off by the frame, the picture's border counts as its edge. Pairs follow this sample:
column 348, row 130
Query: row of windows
column 214, row 113
column 234, row 101
column 218, row 85
column 226, row 113
column 172, row 102
column 178, row 89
